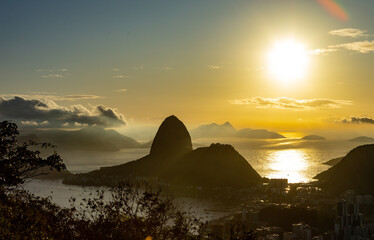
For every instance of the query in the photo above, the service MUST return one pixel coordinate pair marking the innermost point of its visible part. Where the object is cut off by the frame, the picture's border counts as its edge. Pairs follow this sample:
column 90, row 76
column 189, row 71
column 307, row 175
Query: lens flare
column 334, row 9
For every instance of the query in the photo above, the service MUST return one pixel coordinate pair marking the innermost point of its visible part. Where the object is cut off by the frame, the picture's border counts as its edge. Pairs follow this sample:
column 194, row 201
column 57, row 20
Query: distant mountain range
column 313, row 137
column 354, row 171
column 86, row 139
column 172, row 159
column 215, row 130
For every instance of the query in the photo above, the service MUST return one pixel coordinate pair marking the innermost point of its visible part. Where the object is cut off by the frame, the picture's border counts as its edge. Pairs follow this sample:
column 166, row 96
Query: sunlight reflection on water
column 290, row 164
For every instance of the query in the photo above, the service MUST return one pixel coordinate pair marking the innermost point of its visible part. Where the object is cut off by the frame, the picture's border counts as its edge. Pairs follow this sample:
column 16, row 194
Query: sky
column 124, row 64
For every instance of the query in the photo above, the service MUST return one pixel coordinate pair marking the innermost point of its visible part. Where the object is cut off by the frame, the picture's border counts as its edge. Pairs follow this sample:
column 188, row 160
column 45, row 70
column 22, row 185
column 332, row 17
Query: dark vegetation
column 20, row 162
column 284, row 217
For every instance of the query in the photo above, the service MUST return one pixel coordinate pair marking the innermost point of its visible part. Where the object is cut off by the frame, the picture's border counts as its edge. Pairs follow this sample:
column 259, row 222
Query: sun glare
column 290, row 164
column 287, row 61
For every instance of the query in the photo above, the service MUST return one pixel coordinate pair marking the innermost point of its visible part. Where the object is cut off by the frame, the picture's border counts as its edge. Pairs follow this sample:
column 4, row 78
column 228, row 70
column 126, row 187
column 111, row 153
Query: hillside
column 333, row 161
column 216, row 165
column 354, row 171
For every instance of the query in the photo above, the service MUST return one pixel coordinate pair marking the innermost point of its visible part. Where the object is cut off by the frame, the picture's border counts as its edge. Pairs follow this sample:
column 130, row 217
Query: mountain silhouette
column 258, row 134
column 362, row 139
column 215, row 130
column 216, row 165
column 92, row 138
column 172, row 159
column 313, row 137
column 354, row 171
column 172, row 139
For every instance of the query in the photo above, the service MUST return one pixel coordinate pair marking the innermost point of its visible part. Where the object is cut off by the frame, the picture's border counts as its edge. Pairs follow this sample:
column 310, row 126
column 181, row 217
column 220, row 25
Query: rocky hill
column 216, row 165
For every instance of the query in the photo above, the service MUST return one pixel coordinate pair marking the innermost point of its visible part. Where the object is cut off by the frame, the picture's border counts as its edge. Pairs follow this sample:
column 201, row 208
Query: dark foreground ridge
column 354, row 171
column 172, row 159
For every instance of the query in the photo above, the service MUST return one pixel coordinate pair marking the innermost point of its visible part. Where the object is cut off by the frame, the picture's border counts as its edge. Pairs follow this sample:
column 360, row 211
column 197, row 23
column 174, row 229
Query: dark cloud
column 39, row 111
column 109, row 113
column 358, row 120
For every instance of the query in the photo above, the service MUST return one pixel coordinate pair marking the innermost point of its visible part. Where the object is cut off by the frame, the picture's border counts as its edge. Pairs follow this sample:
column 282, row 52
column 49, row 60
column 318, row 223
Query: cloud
column 362, row 47
column 41, row 96
column 53, row 76
column 290, row 103
column 48, row 112
column 119, row 76
column 29, row 123
column 115, row 69
column 214, row 67
column 349, row 32
column 140, row 67
column 75, row 97
column 120, row 90
column 323, row 51
column 44, row 70
column 358, row 120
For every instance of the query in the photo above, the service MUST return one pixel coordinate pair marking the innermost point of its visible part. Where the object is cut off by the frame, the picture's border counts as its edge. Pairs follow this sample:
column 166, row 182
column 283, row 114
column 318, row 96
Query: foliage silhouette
column 20, row 162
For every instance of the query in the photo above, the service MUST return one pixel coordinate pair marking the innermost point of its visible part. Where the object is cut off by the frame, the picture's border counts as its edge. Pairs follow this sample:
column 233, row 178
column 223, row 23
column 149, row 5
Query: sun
column 287, row 61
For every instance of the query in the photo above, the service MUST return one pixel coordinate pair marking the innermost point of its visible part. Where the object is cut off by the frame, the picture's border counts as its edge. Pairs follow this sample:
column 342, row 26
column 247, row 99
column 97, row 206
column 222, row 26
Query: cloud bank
column 290, row 103
column 35, row 112
column 358, row 120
